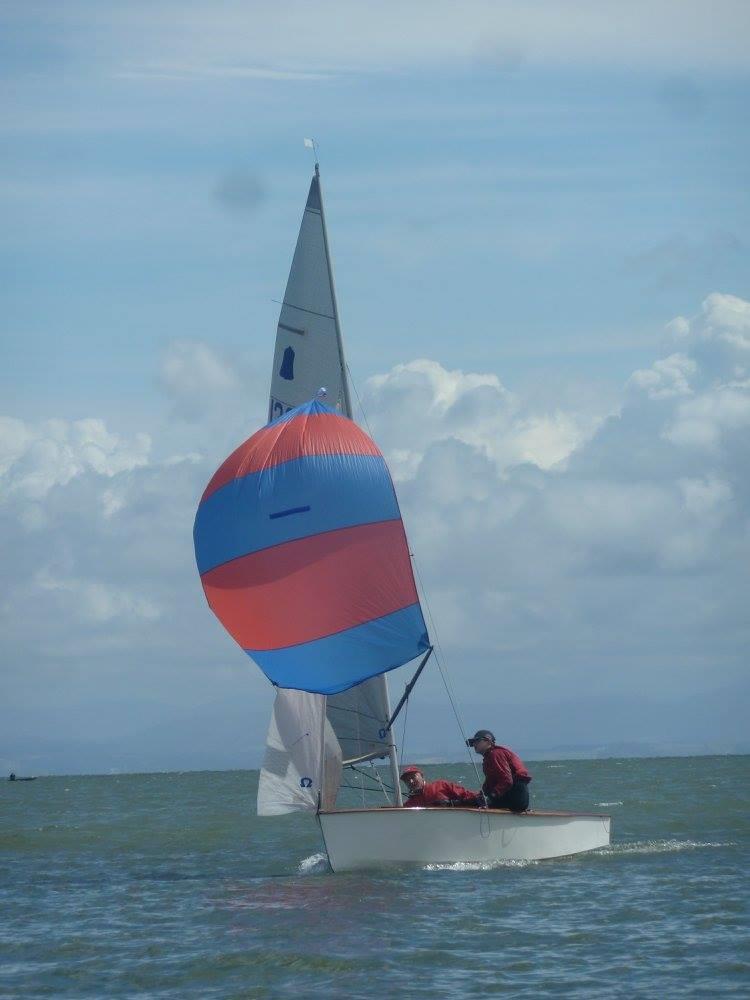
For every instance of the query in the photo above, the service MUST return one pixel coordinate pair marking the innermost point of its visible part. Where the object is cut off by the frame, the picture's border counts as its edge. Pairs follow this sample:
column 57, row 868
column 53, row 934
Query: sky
column 538, row 216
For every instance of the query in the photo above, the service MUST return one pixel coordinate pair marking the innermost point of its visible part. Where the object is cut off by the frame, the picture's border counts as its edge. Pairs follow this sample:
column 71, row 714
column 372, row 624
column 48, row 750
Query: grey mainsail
column 308, row 352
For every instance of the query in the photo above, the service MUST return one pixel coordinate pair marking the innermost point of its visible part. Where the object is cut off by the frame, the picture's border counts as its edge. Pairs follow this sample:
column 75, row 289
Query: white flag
column 309, row 144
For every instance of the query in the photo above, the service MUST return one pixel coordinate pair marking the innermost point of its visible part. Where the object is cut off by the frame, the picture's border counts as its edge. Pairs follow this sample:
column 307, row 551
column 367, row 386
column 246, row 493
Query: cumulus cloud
column 560, row 552
column 666, row 378
column 34, row 458
column 196, row 378
column 631, row 530
column 417, row 405
column 93, row 532
column 93, row 602
column 716, row 411
column 704, row 422
column 190, row 367
column 216, row 399
column 719, row 336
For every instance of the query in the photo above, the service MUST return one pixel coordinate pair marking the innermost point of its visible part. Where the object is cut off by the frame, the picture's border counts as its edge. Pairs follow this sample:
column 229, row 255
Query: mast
column 347, row 408
column 392, row 750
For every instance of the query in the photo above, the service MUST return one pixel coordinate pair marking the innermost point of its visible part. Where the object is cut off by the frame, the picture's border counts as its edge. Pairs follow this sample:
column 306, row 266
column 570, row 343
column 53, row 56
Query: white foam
column 314, row 865
column 609, row 803
column 476, row 866
column 663, row 846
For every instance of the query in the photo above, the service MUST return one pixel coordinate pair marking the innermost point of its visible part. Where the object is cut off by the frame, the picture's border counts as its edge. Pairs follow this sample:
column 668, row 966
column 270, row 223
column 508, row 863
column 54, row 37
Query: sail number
column 277, row 409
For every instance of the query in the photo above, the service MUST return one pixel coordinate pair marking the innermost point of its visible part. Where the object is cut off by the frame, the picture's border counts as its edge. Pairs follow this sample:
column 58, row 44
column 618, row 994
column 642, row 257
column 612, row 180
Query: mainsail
column 308, row 352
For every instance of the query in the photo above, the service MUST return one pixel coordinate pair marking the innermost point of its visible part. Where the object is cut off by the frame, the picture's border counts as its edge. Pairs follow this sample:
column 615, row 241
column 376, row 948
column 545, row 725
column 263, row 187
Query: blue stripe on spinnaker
column 325, row 491
column 338, row 662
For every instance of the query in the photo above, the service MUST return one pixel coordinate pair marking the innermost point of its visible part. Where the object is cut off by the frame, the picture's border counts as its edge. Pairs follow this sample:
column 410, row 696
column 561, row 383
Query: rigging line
column 370, row 777
column 379, row 779
column 356, row 788
column 353, row 384
column 368, row 788
column 443, row 668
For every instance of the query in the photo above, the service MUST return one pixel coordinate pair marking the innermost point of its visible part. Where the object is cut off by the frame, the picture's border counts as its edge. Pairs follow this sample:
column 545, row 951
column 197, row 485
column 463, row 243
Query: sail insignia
column 287, row 365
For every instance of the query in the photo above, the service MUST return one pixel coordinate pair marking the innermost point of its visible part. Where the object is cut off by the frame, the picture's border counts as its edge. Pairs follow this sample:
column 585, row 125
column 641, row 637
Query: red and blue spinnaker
column 303, row 557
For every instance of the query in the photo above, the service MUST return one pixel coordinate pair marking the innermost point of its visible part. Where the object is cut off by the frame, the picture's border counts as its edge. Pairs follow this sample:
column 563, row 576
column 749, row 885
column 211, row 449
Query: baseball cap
column 480, row 734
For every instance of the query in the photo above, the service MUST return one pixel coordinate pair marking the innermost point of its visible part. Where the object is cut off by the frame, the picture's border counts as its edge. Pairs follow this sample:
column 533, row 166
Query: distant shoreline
column 550, row 756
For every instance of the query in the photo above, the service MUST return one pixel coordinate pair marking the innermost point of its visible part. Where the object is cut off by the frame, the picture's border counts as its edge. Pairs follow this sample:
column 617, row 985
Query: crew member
column 506, row 784
column 435, row 793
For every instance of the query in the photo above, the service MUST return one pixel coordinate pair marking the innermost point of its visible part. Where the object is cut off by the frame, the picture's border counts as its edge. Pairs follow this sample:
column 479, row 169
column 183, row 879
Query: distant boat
column 303, row 558
column 13, row 777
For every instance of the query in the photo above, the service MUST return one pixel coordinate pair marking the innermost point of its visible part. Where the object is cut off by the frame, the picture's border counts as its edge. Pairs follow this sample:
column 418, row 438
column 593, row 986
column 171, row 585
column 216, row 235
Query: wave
column 609, row 803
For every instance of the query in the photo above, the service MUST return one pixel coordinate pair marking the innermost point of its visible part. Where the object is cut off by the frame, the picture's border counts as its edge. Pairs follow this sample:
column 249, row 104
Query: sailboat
column 303, row 558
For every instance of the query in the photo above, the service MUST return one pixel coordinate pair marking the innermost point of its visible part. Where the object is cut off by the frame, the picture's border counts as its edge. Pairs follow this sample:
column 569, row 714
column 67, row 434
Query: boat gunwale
column 529, row 814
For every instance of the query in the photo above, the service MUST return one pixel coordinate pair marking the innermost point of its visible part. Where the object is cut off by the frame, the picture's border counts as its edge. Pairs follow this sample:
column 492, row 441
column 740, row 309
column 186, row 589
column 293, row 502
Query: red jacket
column 501, row 768
column 440, row 793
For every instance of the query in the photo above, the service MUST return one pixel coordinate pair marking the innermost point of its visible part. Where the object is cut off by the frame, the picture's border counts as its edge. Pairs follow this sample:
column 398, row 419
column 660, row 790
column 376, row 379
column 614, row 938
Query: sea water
column 169, row 885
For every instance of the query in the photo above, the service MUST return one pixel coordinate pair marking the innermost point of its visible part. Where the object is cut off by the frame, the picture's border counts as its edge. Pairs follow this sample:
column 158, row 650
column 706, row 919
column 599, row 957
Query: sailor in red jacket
column 506, row 783
column 435, row 793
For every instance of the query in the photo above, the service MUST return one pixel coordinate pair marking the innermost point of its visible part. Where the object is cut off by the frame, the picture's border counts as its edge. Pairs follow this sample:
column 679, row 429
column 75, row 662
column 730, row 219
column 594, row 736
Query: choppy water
column 168, row 885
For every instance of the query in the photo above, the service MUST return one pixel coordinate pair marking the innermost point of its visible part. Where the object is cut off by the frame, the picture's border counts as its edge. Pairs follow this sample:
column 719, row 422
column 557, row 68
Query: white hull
column 372, row 838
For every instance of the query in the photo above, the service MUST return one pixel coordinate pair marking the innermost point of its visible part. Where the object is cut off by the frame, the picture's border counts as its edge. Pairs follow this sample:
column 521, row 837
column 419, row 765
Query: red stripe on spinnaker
column 313, row 587
column 306, row 434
